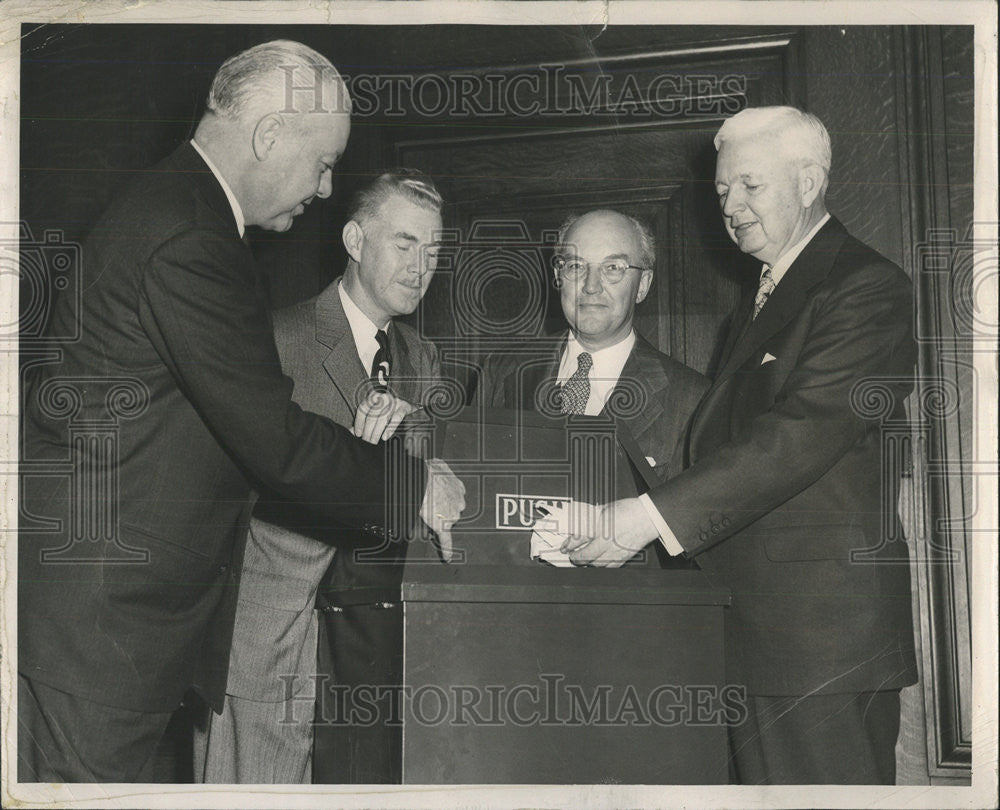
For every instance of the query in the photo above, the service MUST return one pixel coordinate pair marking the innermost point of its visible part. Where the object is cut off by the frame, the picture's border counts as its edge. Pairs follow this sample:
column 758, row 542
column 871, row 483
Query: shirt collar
column 608, row 362
column 233, row 202
column 362, row 327
column 780, row 267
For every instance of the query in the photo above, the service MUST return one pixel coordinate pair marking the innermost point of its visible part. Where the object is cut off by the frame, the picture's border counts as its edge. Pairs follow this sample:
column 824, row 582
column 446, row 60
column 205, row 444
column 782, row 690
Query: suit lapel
column 738, row 326
column 786, row 302
column 642, row 369
column 540, row 379
column 404, row 376
column 333, row 331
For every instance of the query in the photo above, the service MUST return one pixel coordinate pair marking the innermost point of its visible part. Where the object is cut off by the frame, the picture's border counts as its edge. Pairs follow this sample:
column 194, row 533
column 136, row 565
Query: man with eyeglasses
column 603, row 268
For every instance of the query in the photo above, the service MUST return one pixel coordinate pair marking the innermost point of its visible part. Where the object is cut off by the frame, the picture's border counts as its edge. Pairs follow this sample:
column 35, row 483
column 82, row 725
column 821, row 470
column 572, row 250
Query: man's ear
column 645, row 282
column 265, row 135
column 811, row 179
column 353, row 238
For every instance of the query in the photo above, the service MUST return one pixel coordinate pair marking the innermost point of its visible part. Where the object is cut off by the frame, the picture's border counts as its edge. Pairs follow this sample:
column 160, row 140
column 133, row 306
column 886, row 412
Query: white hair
column 803, row 136
column 264, row 73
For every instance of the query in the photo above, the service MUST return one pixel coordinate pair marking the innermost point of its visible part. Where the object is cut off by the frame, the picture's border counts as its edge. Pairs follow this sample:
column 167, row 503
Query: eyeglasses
column 611, row 272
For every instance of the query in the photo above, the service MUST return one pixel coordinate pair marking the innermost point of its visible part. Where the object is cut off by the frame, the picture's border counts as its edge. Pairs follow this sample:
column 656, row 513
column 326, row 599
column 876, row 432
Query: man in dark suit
column 168, row 408
column 332, row 348
column 784, row 500
column 604, row 267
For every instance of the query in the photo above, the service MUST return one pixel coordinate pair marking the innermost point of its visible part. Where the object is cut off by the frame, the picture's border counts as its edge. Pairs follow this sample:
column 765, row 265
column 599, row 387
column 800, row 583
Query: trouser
column 359, row 741
column 65, row 738
column 843, row 739
column 256, row 742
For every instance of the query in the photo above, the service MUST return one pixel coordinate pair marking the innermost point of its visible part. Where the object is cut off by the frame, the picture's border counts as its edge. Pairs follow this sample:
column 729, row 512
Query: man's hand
column 624, row 528
column 444, row 500
column 378, row 416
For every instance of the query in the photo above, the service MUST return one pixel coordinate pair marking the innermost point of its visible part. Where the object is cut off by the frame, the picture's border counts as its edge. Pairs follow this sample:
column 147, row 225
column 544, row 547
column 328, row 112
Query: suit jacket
column 786, row 477
column 655, row 395
column 177, row 372
column 288, row 552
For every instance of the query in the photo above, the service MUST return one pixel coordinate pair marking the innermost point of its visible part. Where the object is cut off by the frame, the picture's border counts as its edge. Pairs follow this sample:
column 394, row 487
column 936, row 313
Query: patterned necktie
column 576, row 390
column 763, row 291
column 381, row 363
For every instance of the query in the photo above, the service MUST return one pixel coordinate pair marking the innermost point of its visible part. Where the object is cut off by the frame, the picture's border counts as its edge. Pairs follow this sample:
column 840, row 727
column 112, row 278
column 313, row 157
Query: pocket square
column 651, row 461
column 768, row 357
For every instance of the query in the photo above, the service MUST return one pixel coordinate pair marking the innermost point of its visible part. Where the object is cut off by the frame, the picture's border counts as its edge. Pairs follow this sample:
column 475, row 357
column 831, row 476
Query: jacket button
column 725, row 521
column 223, row 569
column 703, row 535
column 715, row 528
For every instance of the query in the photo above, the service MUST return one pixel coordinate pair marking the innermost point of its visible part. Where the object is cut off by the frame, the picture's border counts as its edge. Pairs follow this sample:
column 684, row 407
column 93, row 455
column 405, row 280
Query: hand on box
column 444, row 500
column 622, row 530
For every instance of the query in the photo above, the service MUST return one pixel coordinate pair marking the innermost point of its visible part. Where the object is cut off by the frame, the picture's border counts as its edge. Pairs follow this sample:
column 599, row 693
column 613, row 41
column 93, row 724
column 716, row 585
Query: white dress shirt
column 362, row 327
column 233, row 202
column 778, row 270
column 603, row 375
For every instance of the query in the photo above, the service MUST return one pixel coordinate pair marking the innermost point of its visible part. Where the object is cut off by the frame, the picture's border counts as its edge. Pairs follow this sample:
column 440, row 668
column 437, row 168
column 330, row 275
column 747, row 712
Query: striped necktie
column 763, row 291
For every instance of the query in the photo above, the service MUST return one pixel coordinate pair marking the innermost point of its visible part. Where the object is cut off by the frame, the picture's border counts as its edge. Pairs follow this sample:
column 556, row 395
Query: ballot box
column 512, row 670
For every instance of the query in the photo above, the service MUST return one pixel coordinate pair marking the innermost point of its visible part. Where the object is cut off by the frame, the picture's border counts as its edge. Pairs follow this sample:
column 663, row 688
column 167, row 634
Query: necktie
column 576, row 390
column 381, row 363
column 763, row 291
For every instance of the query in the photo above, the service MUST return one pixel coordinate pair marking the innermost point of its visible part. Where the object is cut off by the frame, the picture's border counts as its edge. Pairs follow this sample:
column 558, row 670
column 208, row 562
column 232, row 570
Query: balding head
column 604, row 268
column 279, row 76
column 277, row 119
column 606, row 217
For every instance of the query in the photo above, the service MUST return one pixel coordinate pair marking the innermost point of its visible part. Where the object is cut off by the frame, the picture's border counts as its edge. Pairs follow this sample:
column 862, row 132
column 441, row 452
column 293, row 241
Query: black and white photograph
column 499, row 404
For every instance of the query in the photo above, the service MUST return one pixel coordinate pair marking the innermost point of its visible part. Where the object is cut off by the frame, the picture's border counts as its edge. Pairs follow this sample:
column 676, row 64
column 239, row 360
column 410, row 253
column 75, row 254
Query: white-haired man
column 176, row 360
column 785, row 500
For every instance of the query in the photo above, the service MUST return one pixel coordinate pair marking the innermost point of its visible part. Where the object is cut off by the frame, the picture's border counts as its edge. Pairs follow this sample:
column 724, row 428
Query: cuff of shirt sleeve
column 667, row 537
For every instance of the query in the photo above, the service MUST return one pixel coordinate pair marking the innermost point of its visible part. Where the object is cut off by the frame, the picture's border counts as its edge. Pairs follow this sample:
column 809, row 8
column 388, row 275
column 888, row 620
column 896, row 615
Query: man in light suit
column 128, row 575
column 603, row 267
column 331, row 347
column 784, row 500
